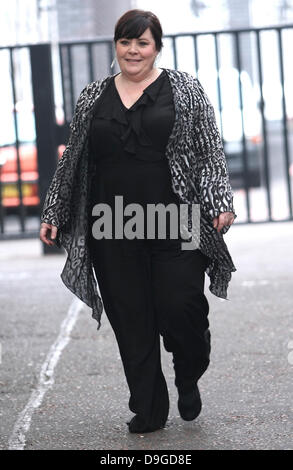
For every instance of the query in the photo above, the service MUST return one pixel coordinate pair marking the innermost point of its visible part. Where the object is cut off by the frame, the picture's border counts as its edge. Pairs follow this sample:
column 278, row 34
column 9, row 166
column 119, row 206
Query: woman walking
column 148, row 135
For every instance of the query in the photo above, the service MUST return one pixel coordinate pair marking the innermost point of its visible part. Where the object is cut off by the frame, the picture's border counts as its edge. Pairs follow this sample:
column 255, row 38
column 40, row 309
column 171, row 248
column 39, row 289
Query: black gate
column 246, row 73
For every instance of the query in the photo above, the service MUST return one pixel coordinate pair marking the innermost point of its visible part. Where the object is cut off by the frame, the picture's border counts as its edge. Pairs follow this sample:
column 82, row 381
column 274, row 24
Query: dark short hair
column 134, row 23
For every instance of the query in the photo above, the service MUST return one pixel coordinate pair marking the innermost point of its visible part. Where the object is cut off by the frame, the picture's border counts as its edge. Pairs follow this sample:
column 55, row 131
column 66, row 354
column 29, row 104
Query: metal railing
column 258, row 164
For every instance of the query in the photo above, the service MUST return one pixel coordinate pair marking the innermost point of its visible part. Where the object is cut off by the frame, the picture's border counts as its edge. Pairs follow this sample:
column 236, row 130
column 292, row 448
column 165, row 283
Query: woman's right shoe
column 189, row 403
column 135, row 425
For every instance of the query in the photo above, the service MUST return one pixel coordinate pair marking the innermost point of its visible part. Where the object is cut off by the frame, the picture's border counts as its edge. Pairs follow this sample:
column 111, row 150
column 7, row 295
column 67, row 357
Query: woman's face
column 136, row 56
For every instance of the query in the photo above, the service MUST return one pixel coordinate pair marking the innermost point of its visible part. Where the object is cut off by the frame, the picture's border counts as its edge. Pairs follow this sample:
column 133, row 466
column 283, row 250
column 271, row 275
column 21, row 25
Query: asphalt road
column 62, row 382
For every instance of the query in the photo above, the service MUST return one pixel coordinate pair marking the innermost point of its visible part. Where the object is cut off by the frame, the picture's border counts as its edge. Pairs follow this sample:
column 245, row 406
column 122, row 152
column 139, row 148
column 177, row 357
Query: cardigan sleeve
column 56, row 205
column 216, row 194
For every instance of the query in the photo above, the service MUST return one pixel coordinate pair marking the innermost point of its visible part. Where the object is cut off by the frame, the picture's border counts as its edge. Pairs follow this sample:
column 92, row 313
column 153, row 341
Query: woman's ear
column 158, row 56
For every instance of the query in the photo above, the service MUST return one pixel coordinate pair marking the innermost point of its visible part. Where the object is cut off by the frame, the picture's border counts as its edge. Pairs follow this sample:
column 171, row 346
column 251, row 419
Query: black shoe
column 135, row 425
column 189, row 403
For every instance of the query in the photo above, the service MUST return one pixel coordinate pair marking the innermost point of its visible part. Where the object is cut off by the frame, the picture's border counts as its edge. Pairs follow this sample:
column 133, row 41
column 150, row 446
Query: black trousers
column 153, row 287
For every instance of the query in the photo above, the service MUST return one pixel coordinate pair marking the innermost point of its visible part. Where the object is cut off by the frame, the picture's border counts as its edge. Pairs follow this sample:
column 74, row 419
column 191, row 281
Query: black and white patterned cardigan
column 199, row 174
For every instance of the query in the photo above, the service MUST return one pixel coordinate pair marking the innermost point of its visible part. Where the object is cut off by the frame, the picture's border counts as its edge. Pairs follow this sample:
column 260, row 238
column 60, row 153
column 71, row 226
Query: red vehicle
column 27, row 160
column 29, row 176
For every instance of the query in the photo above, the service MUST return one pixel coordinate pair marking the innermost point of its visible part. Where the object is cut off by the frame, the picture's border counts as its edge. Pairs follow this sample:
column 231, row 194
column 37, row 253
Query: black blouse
column 141, row 131
column 128, row 147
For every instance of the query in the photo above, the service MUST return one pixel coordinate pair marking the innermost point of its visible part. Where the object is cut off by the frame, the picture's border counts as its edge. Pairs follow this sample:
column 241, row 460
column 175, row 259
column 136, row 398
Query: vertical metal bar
column 44, row 107
column 174, row 52
column 244, row 147
column 62, row 82
column 2, row 210
column 71, row 86
column 19, row 185
column 195, row 54
column 110, row 56
column 1, row 205
column 264, row 125
column 90, row 62
column 284, row 121
column 218, row 82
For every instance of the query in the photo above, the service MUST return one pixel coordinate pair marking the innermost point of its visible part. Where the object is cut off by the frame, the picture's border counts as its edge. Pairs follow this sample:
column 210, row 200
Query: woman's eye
column 124, row 42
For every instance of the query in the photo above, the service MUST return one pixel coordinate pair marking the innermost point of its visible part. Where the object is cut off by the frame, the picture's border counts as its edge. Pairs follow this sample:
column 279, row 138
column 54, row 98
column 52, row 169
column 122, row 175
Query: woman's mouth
column 133, row 60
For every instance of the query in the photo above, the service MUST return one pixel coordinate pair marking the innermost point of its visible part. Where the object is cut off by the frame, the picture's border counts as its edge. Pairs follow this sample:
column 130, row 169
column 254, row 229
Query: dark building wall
column 84, row 20
column 88, row 19
column 240, row 17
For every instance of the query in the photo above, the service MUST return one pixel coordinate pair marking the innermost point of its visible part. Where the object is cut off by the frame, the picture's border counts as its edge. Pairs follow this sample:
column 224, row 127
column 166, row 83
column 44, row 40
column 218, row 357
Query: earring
column 113, row 62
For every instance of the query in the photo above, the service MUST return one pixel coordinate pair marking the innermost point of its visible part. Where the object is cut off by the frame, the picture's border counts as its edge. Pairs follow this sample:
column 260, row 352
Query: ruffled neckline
column 111, row 107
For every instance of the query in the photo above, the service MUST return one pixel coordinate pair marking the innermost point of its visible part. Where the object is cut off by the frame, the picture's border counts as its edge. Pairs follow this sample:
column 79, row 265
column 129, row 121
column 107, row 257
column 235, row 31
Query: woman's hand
column 225, row 218
column 48, row 233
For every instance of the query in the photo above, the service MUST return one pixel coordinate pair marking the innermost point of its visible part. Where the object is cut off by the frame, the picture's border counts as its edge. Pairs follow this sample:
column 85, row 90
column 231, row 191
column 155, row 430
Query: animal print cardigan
column 198, row 171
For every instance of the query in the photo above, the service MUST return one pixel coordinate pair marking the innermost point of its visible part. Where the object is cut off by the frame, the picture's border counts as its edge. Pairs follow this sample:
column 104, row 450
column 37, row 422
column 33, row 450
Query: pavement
column 62, row 384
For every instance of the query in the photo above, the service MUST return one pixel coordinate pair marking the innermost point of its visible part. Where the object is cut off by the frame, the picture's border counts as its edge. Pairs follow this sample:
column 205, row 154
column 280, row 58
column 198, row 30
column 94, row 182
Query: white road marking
column 46, row 378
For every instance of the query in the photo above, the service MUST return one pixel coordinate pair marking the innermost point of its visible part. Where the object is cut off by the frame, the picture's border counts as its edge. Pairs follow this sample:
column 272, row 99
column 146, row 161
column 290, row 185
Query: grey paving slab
column 246, row 392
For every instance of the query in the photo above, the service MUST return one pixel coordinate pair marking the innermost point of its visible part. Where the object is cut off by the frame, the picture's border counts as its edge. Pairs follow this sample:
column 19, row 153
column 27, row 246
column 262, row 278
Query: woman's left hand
column 225, row 218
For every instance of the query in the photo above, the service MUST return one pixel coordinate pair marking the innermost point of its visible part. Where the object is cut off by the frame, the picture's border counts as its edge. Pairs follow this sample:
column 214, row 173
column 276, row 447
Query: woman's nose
column 132, row 47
